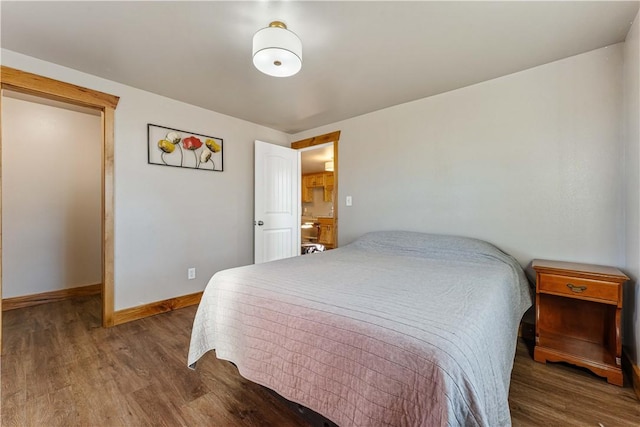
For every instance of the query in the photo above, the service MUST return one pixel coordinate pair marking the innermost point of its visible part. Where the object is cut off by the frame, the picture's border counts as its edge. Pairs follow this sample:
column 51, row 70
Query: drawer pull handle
column 576, row 289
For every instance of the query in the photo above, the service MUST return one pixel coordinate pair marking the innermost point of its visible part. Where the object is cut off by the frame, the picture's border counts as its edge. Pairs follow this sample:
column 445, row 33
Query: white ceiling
column 358, row 56
column 314, row 158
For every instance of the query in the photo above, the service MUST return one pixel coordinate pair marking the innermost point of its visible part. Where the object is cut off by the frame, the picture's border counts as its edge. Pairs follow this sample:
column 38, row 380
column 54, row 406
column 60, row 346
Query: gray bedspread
column 396, row 328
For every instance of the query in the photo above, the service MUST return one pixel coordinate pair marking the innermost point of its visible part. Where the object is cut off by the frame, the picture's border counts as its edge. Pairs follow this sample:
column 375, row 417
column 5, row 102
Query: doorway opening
column 27, row 83
column 51, row 199
column 319, row 188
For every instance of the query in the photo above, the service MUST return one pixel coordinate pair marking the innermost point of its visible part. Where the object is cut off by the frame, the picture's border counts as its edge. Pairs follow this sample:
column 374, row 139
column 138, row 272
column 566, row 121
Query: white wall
column 318, row 207
column 631, row 133
column 168, row 219
column 51, row 198
column 530, row 162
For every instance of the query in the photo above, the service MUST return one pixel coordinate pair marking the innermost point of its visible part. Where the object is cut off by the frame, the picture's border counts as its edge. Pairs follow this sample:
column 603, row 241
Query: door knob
column 260, row 223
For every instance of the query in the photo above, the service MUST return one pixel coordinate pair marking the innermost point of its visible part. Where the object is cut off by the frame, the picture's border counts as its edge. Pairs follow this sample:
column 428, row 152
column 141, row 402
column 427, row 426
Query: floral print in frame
column 179, row 148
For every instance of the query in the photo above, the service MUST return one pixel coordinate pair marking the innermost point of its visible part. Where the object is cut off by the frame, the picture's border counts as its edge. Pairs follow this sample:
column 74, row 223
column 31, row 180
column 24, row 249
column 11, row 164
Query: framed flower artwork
column 182, row 149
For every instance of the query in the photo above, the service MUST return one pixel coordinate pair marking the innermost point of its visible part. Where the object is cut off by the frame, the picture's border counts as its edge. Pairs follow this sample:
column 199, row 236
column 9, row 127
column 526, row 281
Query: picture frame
column 183, row 149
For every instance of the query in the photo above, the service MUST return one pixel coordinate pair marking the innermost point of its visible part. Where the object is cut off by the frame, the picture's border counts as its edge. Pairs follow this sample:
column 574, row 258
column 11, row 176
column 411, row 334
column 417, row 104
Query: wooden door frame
column 33, row 84
column 319, row 140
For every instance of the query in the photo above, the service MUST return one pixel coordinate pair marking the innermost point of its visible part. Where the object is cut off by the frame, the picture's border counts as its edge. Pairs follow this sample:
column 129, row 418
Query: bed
column 397, row 328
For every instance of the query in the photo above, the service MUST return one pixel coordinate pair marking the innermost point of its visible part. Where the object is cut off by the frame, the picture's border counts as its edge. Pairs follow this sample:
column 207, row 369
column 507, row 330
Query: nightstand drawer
column 578, row 287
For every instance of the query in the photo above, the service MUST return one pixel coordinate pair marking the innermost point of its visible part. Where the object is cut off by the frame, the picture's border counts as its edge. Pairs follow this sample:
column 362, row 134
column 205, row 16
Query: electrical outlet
column 191, row 273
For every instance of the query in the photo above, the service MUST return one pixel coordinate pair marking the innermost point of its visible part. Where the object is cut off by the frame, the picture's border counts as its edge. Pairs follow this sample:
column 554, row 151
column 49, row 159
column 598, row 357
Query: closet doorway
column 26, row 86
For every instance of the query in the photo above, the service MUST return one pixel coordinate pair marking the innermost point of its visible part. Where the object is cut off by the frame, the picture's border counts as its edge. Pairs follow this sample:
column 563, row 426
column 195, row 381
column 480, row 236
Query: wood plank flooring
column 60, row 368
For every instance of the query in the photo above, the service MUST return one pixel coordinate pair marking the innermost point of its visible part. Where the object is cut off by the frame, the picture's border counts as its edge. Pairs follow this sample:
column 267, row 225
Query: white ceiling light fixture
column 328, row 166
column 277, row 51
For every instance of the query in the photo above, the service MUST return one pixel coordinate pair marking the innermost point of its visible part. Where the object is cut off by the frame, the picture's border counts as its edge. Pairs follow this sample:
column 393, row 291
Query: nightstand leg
column 538, row 356
column 615, row 378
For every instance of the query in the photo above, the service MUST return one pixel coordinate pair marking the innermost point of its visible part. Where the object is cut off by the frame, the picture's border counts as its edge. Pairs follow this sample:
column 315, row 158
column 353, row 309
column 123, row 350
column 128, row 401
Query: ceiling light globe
column 277, row 51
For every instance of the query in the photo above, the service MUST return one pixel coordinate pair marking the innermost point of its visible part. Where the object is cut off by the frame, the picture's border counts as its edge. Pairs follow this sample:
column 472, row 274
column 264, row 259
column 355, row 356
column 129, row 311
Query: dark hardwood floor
column 60, row 368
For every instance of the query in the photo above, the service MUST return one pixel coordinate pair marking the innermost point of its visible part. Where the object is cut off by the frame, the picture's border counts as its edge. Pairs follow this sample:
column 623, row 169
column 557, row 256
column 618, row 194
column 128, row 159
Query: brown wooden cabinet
column 326, row 234
column 578, row 309
column 327, row 194
column 307, row 194
column 328, row 179
column 313, row 180
column 328, row 187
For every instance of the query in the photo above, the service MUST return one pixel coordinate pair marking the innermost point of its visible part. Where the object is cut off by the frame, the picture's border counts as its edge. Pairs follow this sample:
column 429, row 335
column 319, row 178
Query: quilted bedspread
column 396, row 328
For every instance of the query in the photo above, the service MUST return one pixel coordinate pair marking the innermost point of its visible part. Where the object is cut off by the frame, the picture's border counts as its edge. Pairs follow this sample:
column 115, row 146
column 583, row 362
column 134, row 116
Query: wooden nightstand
column 578, row 310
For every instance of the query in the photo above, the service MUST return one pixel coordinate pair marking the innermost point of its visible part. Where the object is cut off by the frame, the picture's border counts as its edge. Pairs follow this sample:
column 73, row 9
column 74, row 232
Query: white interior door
column 277, row 202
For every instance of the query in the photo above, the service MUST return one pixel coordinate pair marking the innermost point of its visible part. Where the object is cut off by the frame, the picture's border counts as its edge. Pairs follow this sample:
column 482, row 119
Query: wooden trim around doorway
column 108, row 281
column 324, row 139
column 33, row 84
column 317, row 140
